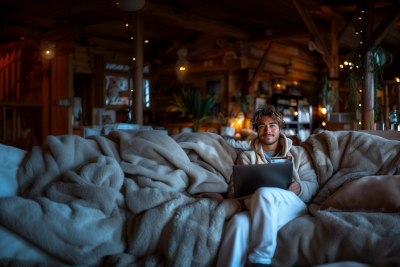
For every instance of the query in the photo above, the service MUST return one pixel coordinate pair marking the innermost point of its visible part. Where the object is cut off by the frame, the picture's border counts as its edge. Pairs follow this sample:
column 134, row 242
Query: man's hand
column 294, row 187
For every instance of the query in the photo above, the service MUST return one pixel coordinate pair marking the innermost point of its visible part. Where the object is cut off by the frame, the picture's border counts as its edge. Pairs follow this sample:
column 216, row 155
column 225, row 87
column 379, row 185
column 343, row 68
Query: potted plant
column 329, row 97
column 192, row 106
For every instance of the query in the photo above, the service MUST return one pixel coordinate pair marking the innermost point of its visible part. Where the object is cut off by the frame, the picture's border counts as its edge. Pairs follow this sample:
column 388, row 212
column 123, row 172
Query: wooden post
column 14, row 127
column 334, row 70
column 386, row 108
column 46, row 99
column 4, row 124
column 137, row 101
column 368, row 94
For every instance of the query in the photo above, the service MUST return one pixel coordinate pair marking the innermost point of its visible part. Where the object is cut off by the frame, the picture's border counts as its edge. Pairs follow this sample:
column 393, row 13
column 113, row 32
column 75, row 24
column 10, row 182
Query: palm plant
column 192, row 106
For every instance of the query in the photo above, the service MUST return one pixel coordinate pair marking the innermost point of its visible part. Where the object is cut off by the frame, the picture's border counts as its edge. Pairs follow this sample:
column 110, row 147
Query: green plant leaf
column 248, row 99
column 239, row 95
column 244, row 107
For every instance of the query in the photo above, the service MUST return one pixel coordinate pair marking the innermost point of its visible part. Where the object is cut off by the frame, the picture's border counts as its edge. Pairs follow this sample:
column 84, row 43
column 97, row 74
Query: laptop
column 248, row 178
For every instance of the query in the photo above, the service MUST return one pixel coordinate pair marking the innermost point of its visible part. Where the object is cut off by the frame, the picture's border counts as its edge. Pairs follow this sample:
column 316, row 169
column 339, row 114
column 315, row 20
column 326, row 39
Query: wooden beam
column 137, row 99
column 30, row 20
column 368, row 92
column 184, row 19
column 284, row 33
column 387, row 23
column 348, row 23
column 63, row 33
column 18, row 31
column 308, row 20
column 325, row 12
column 334, row 70
column 261, row 64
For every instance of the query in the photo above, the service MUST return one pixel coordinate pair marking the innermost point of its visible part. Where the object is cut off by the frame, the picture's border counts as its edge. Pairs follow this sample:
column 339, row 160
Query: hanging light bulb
column 323, row 123
column 323, row 110
column 341, row 66
column 346, row 63
column 127, row 25
column 130, row 5
column 360, row 42
column 48, row 49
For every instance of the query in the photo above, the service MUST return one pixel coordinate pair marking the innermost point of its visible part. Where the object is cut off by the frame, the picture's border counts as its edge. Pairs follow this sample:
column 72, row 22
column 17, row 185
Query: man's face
column 268, row 130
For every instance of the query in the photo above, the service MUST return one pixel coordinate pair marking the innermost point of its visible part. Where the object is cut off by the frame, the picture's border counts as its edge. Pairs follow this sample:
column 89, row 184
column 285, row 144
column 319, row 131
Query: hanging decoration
column 357, row 67
column 130, row 5
column 181, row 64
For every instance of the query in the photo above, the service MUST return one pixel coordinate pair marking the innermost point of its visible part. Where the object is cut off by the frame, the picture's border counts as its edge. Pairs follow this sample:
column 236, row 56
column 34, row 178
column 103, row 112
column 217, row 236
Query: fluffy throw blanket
column 341, row 157
column 124, row 199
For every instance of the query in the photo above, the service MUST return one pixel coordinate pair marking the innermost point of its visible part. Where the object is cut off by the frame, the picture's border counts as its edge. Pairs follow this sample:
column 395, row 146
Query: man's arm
column 308, row 178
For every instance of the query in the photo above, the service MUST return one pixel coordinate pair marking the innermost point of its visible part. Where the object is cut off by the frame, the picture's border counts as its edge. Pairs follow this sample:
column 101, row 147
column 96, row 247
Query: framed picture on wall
column 264, row 88
column 116, row 89
column 259, row 101
column 214, row 85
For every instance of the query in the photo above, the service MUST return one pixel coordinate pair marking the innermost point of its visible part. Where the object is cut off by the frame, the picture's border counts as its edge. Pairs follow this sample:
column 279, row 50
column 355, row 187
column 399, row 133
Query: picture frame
column 114, row 84
column 264, row 88
column 105, row 116
column 215, row 85
column 258, row 102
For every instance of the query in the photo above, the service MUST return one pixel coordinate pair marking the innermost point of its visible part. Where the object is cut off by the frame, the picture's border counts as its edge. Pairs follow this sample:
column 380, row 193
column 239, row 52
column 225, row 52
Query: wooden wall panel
column 46, row 99
column 61, row 83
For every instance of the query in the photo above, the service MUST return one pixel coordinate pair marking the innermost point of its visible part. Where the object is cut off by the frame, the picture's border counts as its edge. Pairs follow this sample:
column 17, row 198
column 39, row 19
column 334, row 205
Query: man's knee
column 240, row 220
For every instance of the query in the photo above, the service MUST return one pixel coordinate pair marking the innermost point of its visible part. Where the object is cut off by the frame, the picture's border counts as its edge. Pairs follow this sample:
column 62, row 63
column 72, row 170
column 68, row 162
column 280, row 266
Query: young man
column 252, row 234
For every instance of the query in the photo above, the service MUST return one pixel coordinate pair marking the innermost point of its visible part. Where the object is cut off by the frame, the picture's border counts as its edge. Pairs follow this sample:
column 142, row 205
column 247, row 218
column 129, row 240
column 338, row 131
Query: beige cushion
column 369, row 193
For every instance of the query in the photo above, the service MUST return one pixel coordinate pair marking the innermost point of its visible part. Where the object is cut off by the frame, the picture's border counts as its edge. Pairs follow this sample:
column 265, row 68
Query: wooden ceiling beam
column 325, row 12
column 348, row 23
column 308, row 20
column 387, row 23
column 283, row 33
column 30, row 20
column 261, row 64
column 184, row 19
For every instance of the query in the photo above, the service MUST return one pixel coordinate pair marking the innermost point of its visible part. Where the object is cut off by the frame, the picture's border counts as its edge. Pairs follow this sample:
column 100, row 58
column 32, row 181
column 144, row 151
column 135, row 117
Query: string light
column 346, row 63
column 47, row 52
column 323, row 110
column 341, row 66
column 361, row 31
column 359, row 55
column 117, row 3
column 397, row 79
column 182, row 68
column 362, row 11
column 356, row 32
column 360, row 42
column 351, row 68
column 278, row 85
column 133, row 58
column 323, row 123
column 360, row 91
column 359, row 105
column 359, row 18
column 146, row 41
column 127, row 25
column 132, row 38
column 359, row 122
column 296, row 113
column 357, row 67
column 295, row 83
column 131, row 90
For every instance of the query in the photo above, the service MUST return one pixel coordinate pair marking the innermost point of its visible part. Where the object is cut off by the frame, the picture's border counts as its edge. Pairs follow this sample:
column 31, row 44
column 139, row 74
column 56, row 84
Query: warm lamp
column 323, row 123
column 323, row 110
column 397, row 79
column 48, row 49
column 130, row 5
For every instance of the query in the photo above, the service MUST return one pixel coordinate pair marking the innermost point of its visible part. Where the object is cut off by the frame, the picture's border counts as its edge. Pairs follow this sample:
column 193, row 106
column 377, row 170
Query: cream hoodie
column 303, row 170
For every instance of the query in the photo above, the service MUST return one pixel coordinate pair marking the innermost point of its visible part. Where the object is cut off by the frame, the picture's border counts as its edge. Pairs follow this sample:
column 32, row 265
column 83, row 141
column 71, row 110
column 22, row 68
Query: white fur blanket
column 123, row 199
column 340, row 157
